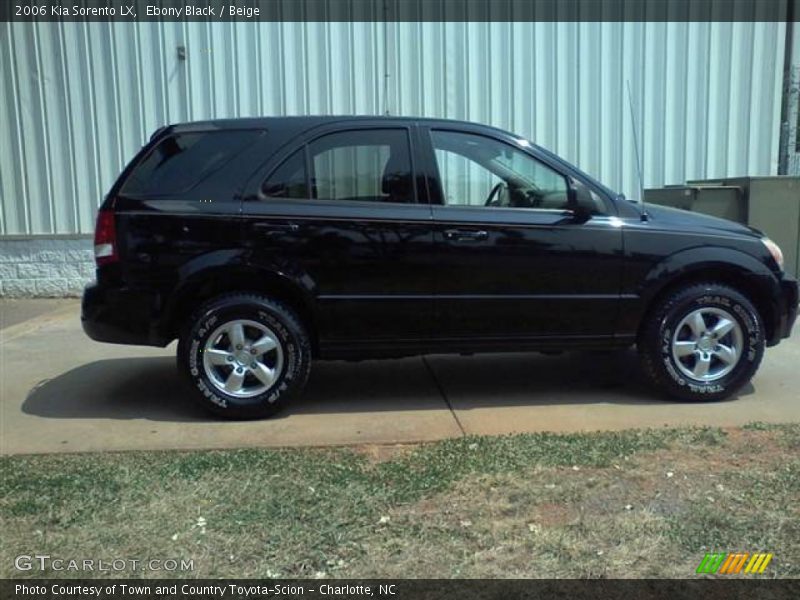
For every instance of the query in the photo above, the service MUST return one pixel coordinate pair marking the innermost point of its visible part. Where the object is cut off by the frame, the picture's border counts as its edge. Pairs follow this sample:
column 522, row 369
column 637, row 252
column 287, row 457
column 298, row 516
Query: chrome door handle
column 466, row 235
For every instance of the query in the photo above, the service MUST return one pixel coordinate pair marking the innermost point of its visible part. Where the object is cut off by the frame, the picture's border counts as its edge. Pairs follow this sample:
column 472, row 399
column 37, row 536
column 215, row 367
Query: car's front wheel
column 702, row 342
column 246, row 355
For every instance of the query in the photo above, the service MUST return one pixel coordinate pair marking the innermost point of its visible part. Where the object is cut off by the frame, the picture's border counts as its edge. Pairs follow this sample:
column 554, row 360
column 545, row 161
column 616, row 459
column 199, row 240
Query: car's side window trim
column 307, row 158
column 306, row 170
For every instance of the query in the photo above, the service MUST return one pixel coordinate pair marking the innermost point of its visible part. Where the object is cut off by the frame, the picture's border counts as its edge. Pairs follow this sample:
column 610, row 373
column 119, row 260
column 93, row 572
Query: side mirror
column 579, row 202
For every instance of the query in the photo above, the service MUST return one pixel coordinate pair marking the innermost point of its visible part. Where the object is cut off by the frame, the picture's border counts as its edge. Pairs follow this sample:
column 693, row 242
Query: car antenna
column 645, row 216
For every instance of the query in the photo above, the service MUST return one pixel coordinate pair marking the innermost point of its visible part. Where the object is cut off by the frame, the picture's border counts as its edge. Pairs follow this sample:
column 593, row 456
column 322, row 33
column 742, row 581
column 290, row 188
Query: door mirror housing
column 579, row 214
column 579, row 202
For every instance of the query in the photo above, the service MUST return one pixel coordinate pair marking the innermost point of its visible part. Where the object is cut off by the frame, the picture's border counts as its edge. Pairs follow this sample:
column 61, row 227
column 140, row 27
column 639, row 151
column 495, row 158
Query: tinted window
column 289, row 179
column 479, row 171
column 369, row 165
column 180, row 162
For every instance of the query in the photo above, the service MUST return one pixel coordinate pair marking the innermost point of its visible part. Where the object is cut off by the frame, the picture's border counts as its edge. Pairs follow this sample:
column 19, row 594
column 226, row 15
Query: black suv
column 263, row 243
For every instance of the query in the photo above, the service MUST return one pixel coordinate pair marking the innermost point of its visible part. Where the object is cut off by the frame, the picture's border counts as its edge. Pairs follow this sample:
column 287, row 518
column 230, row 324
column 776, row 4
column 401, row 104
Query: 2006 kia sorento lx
column 263, row 243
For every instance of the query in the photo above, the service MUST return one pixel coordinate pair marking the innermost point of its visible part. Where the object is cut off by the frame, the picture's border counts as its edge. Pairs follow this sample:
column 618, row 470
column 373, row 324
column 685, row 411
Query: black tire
column 290, row 360
column 658, row 353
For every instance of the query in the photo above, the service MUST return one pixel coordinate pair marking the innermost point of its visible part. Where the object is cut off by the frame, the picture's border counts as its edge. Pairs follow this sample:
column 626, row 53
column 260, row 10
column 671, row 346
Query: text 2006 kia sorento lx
column 261, row 244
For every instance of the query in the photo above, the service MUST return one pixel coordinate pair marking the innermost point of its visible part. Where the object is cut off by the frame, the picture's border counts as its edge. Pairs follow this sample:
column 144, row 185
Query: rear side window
column 372, row 165
column 182, row 162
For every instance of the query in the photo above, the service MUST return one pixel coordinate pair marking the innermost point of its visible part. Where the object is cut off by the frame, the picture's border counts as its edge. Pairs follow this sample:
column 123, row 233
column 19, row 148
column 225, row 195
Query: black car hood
column 684, row 220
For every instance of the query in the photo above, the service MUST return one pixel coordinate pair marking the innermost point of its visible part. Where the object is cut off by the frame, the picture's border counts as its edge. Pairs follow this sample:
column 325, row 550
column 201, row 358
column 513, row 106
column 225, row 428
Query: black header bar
column 400, row 10
column 732, row 588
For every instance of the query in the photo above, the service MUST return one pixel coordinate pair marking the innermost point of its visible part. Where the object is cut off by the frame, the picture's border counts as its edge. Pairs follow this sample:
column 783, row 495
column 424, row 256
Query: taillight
column 105, row 238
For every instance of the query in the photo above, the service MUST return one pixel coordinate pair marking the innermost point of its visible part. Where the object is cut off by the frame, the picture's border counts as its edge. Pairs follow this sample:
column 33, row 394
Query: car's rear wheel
column 702, row 342
column 246, row 355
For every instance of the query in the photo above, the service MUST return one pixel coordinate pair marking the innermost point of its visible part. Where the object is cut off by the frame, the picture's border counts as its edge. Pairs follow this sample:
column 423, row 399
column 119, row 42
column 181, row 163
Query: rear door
column 512, row 263
column 342, row 212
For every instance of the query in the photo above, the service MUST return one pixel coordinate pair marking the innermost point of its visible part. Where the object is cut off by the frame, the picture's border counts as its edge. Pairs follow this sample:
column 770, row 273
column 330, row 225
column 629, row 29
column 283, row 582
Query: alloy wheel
column 707, row 344
column 243, row 358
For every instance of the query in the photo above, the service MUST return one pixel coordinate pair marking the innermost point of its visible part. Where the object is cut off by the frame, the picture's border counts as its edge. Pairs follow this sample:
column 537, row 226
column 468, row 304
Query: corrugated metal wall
column 77, row 100
column 793, row 109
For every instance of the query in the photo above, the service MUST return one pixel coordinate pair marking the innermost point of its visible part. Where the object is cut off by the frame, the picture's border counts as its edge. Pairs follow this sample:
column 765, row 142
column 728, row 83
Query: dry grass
column 654, row 516
column 629, row 504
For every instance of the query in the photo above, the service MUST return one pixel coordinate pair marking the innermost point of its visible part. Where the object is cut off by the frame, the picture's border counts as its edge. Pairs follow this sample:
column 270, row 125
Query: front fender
column 728, row 265
column 705, row 259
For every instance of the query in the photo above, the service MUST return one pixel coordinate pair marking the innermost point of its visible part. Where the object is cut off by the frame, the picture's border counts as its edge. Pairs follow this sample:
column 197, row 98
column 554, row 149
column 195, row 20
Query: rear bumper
column 786, row 313
column 120, row 316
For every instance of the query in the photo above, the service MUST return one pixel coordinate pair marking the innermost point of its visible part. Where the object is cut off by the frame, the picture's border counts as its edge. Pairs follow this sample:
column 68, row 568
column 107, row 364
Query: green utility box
column 773, row 206
column 726, row 202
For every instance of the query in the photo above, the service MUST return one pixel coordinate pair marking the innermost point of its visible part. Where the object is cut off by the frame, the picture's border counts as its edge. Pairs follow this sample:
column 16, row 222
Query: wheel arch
column 733, row 268
column 216, row 281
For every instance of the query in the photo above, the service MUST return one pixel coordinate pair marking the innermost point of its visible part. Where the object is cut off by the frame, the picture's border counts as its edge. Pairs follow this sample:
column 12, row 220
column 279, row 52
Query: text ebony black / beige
column 262, row 244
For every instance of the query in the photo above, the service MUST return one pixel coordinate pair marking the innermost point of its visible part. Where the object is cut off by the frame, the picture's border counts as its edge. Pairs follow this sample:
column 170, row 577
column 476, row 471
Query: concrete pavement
column 61, row 392
column 13, row 312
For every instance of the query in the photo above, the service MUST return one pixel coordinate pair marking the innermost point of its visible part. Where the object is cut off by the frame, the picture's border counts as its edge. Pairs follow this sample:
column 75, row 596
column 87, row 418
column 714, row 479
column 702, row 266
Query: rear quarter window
column 189, row 162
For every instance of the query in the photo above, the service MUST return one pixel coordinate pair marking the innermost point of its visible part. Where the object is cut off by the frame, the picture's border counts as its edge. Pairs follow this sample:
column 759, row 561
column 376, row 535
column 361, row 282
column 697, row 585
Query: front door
column 512, row 260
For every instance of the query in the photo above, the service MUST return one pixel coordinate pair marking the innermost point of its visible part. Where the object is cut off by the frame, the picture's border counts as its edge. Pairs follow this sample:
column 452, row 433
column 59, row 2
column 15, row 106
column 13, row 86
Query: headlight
column 775, row 250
